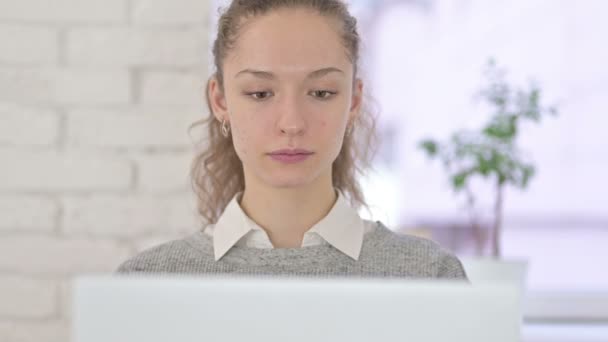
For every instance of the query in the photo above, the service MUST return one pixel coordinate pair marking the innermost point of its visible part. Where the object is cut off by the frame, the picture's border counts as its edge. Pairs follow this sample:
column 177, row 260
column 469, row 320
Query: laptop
column 217, row 309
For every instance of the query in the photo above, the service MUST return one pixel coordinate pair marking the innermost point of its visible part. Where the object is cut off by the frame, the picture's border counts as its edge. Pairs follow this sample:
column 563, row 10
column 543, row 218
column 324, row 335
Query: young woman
column 277, row 183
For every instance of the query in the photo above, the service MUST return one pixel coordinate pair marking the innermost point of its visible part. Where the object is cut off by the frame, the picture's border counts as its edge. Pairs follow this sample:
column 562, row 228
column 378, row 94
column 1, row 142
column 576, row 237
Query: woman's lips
column 290, row 156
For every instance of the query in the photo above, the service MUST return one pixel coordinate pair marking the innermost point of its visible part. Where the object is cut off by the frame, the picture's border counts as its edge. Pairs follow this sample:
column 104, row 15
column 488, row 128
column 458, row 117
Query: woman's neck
column 286, row 214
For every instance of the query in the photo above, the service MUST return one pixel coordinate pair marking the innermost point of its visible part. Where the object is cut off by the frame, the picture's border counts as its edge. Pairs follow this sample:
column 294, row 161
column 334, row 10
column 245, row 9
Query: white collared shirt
column 342, row 228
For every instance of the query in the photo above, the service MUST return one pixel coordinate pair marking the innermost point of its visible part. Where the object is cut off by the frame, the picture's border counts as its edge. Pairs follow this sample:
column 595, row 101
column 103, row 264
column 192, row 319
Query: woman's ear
column 357, row 100
column 217, row 99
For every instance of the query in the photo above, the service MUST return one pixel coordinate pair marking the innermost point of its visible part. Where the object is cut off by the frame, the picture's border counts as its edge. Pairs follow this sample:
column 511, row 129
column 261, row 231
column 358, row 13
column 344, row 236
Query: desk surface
column 563, row 332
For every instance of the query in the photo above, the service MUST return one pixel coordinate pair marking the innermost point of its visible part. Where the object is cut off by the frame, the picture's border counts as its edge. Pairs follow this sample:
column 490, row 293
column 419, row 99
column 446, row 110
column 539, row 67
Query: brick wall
column 95, row 101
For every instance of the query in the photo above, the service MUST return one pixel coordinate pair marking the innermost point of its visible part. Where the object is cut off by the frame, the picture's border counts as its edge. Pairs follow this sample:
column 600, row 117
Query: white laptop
column 188, row 309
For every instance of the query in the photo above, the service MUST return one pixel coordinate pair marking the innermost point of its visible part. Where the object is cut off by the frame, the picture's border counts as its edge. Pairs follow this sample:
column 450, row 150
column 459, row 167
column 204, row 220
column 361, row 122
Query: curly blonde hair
column 217, row 172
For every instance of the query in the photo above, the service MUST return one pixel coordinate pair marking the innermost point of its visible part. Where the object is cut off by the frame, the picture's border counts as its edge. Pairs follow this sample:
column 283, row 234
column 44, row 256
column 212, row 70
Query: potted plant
column 491, row 154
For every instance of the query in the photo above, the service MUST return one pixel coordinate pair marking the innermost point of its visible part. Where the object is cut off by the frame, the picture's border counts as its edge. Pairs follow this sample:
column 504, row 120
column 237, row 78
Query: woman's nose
column 291, row 121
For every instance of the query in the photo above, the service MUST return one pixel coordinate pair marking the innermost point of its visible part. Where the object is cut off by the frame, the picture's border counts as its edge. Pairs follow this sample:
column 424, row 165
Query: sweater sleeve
column 451, row 267
column 125, row 268
column 144, row 262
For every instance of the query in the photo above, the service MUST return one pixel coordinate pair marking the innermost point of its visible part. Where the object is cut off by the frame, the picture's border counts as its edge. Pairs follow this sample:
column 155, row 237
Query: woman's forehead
column 289, row 42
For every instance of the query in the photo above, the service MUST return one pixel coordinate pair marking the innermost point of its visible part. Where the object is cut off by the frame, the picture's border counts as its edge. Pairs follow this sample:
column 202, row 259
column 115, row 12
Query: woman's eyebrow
column 270, row 76
column 322, row 72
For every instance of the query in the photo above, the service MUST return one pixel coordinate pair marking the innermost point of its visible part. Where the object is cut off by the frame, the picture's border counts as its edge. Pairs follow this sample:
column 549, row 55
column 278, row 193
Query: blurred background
column 96, row 98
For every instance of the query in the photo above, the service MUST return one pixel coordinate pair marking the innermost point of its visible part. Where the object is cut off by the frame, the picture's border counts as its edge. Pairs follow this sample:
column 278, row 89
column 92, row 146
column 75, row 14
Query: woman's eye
column 323, row 94
column 259, row 95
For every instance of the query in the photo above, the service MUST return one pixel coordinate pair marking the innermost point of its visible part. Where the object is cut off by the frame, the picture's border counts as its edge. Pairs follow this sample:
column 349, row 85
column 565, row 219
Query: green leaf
column 483, row 166
column 527, row 174
column 502, row 127
column 430, row 147
column 459, row 180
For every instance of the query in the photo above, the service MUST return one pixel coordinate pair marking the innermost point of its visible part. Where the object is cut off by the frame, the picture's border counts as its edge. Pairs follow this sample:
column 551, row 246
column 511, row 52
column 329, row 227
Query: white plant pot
column 490, row 270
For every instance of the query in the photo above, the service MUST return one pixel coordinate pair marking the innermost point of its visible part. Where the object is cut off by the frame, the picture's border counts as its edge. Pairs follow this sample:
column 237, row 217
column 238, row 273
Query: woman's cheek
column 240, row 139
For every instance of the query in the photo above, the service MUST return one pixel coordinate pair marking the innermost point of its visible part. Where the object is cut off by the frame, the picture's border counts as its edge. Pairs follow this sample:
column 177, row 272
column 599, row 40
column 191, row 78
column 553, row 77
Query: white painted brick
column 27, row 297
column 65, row 297
column 45, row 255
column 137, row 47
column 114, row 129
column 65, row 86
column 31, row 331
column 20, row 213
column 28, row 45
column 27, row 126
column 112, row 216
column 173, row 88
column 26, row 85
column 159, row 173
column 92, row 87
column 180, row 12
column 49, row 171
column 64, row 11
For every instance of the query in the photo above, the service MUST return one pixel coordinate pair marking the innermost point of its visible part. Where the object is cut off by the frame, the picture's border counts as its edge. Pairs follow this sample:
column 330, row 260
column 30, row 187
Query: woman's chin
column 288, row 177
column 288, row 180
column 288, row 183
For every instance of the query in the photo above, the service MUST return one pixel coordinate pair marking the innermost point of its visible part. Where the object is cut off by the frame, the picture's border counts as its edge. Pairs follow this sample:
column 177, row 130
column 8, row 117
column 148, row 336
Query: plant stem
column 477, row 232
column 497, row 229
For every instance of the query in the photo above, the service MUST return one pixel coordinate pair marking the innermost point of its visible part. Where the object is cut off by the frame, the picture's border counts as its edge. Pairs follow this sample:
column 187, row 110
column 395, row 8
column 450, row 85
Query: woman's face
column 288, row 85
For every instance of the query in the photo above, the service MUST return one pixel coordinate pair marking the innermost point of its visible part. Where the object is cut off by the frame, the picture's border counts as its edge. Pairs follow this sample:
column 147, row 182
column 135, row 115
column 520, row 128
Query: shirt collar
column 341, row 227
column 230, row 228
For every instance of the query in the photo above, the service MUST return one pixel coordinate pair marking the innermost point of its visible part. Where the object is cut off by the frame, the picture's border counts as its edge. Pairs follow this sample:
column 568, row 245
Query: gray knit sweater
column 384, row 254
